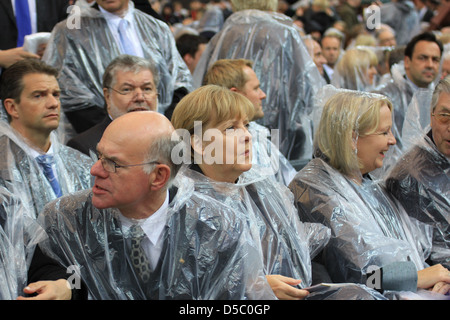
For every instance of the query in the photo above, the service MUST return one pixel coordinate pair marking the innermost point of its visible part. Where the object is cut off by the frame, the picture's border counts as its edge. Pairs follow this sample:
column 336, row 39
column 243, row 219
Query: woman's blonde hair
column 346, row 116
column 353, row 65
column 210, row 105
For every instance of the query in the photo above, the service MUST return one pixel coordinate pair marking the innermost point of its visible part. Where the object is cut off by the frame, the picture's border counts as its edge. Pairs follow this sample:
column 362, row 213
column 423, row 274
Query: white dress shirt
column 113, row 24
column 33, row 15
column 153, row 228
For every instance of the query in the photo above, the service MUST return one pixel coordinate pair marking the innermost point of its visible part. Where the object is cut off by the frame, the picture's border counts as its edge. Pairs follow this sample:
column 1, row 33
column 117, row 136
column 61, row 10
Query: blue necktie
column 46, row 162
column 126, row 42
column 23, row 21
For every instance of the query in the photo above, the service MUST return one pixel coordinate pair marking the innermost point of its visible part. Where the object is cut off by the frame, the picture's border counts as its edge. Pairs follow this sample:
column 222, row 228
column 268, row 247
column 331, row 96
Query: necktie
column 138, row 257
column 124, row 39
column 23, row 21
column 46, row 161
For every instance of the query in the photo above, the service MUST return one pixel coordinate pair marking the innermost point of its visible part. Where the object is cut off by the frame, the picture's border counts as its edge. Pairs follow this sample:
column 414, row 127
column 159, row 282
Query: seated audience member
column 371, row 232
column 421, row 178
column 106, row 30
column 142, row 234
column 288, row 76
column 238, row 76
column 421, row 68
column 221, row 150
column 385, row 36
column 445, row 63
column 129, row 84
column 356, row 70
column 32, row 159
column 191, row 47
column 315, row 51
column 28, row 274
column 332, row 48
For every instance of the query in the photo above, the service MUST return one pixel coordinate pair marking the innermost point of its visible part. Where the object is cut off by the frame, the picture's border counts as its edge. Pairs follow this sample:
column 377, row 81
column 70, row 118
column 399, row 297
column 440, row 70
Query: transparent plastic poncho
column 208, row 253
column 286, row 245
column 21, row 174
column 284, row 68
column 420, row 178
column 19, row 235
column 82, row 52
column 370, row 229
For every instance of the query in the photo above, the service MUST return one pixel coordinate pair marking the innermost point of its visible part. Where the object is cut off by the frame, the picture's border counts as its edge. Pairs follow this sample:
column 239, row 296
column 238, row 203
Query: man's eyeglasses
column 110, row 166
column 443, row 118
column 131, row 91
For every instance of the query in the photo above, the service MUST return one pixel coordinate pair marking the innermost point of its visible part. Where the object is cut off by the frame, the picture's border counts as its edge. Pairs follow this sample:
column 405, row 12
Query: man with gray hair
column 421, row 178
column 129, row 84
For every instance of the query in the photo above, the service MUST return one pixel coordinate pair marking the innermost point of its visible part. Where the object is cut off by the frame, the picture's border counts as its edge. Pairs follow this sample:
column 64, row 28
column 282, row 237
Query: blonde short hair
column 228, row 73
column 346, row 116
column 264, row 5
column 353, row 62
column 210, row 105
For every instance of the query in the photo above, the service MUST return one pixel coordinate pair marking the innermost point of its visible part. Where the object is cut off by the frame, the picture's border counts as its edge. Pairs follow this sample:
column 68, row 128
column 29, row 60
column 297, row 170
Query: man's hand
column 11, row 56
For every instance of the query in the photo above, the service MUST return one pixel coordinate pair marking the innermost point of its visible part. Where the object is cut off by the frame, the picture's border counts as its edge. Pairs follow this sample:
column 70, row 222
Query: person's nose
column 97, row 170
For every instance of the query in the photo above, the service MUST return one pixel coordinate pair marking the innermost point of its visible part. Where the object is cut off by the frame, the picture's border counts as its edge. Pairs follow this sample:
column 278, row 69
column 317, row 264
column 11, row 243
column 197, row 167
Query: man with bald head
column 138, row 237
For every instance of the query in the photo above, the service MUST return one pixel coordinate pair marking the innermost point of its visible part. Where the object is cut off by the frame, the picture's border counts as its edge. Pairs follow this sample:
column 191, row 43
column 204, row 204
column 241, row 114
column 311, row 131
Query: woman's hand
column 283, row 287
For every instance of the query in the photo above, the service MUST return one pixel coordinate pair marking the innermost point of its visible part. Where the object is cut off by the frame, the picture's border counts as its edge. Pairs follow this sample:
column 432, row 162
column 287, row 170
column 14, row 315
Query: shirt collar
column 152, row 226
column 115, row 19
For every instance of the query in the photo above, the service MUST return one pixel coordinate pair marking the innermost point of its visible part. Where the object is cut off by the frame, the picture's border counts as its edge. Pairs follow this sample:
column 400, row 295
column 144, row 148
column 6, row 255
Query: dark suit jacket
column 49, row 12
column 88, row 139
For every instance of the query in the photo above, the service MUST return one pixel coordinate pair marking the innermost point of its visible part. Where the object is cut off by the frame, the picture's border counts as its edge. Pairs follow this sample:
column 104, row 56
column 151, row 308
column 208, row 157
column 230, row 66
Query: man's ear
column 11, row 108
column 406, row 62
column 234, row 89
column 159, row 177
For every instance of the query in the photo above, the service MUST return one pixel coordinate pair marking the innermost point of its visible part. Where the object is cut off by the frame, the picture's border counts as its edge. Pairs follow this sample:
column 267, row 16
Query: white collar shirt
column 153, row 228
column 113, row 24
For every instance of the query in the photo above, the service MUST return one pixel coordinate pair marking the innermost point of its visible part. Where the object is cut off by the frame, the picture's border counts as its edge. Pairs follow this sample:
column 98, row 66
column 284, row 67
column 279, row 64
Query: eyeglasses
column 110, row 166
column 442, row 118
column 131, row 91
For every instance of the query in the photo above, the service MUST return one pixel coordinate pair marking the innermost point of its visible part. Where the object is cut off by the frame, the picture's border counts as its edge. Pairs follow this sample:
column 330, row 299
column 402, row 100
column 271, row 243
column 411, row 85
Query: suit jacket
column 88, row 139
column 49, row 13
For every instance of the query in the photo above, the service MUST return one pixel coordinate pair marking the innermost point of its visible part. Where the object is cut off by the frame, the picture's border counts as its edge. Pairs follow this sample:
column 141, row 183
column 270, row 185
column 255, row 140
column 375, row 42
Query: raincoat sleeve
column 366, row 230
column 19, row 236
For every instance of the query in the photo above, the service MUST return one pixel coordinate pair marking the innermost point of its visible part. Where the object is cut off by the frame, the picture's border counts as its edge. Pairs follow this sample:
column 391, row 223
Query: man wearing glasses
column 421, row 179
column 129, row 84
column 141, row 233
